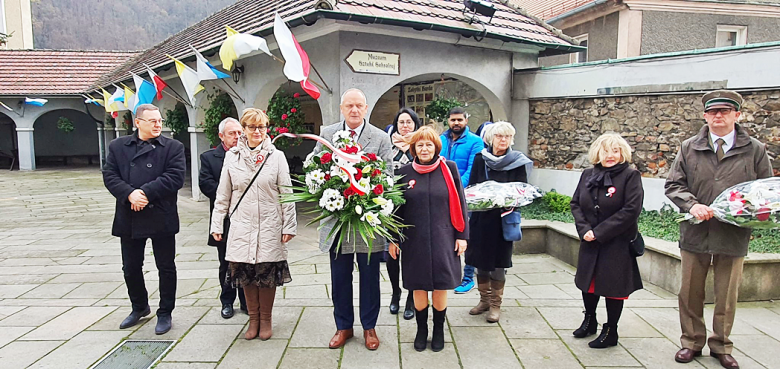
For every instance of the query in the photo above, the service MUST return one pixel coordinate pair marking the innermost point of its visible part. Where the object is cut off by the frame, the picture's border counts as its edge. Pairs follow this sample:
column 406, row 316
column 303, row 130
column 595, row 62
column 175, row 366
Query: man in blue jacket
column 461, row 146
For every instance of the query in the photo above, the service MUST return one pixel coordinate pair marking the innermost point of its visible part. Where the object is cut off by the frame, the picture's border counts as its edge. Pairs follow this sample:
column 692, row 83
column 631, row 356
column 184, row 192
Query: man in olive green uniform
column 721, row 155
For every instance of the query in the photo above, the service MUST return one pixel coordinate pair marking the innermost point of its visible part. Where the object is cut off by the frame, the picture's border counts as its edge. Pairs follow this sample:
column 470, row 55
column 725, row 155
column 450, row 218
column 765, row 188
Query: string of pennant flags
column 237, row 45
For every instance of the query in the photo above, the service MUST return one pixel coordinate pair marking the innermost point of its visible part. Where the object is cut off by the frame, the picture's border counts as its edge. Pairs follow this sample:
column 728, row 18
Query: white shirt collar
column 728, row 139
column 357, row 130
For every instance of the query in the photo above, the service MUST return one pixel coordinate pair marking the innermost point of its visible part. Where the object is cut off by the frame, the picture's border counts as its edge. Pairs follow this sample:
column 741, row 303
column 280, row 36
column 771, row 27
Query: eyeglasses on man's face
column 722, row 111
column 153, row 121
column 253, row 128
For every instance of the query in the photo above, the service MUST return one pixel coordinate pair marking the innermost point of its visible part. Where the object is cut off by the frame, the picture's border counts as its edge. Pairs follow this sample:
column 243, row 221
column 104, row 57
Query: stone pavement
column 62, row 298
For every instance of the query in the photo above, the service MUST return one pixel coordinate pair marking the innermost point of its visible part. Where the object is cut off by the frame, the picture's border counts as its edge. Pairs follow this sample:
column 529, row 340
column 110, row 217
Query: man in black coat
column 208, row 181
column 145, row 171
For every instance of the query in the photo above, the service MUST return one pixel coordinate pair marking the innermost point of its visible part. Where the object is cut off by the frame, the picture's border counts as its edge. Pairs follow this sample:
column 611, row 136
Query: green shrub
column 65, row 125
column 439, row 109
column 557, row 202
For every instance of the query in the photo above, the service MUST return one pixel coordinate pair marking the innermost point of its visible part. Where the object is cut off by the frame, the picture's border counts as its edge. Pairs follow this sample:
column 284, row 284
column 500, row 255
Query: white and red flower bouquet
column 491, row 195
column 753, row 204
column 352, row 187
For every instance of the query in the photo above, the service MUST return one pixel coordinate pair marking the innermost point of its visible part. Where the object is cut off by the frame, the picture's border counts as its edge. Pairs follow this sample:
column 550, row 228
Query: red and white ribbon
column 351, row 158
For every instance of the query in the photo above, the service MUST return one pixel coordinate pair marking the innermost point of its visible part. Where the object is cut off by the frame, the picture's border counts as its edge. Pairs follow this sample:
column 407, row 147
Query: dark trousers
column 164, row 249
column 341, row 266
column 228, row 294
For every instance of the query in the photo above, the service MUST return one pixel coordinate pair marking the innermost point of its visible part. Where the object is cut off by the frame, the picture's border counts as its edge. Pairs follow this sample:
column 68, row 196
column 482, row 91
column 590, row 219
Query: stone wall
column 561, row 130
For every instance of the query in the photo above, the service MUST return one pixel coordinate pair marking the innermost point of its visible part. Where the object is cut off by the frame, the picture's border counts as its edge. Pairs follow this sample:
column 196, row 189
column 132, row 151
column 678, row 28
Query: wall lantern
column 237, row 72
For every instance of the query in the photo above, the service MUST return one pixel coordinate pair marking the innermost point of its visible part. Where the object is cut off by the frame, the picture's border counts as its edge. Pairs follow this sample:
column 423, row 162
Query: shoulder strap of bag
column 249, row 186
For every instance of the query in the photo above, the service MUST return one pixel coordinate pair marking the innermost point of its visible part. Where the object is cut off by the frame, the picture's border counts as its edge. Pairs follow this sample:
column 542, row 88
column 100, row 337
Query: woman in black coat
column 606, row 207
column 404, row 125
column 435, row 210
column 489, row 252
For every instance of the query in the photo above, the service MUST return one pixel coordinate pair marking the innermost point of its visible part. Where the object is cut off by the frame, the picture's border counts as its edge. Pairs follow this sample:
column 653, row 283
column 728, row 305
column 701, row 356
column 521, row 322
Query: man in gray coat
column 373, row 140
column 720, row 156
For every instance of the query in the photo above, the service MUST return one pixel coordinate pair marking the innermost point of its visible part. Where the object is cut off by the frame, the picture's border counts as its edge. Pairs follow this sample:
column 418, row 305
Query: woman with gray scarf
column 488, row 251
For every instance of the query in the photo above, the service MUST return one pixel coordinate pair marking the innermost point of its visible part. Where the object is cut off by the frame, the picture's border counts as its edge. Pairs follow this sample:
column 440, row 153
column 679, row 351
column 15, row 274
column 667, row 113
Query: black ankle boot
column 607, row 338
column 421, row 339
column 588, row 327
column 437, row 341
column 409, row 309
column 394, row 300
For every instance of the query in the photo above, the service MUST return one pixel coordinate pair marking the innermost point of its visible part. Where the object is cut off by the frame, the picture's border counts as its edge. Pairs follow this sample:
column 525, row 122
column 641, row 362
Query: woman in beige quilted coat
column 260, row 226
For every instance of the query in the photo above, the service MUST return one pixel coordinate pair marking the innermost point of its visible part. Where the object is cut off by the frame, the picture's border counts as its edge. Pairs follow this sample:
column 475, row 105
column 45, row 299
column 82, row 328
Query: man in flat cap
column 721, row 155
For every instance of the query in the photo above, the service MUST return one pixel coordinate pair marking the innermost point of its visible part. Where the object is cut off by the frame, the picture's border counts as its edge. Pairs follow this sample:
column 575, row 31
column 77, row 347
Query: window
column 731, row 36
column 2, row 17
column 581, row 56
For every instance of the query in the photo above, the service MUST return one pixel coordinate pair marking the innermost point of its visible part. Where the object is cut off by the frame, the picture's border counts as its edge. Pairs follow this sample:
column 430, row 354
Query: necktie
column 352, row 133
column 719, row 152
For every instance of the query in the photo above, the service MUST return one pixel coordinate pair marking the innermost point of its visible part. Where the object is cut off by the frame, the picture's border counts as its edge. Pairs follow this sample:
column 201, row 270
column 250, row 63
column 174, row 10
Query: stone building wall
column 561, row 130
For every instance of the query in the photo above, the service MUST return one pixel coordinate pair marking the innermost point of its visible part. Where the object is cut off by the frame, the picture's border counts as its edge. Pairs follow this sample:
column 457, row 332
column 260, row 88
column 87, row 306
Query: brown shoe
column 726, row 360
column 372, row 341
column 340, row 338
column 496, row 295
column 483, row 284
column 686, row 355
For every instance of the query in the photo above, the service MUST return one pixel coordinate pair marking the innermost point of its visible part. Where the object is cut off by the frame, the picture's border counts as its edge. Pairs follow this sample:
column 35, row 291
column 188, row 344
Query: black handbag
column 637, row 245
column 226, row 224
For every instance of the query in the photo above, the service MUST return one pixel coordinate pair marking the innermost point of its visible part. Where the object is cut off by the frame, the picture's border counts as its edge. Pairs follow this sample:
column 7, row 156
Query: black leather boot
column 588, row 327
column 607, row 338
column 394, row 301
column 437, row 341
column 409, row 310
column 421, row 339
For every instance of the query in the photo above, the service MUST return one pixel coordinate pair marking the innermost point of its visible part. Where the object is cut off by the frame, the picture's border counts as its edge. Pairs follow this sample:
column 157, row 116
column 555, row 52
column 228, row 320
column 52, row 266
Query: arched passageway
column 9, row 148
column 66, row 137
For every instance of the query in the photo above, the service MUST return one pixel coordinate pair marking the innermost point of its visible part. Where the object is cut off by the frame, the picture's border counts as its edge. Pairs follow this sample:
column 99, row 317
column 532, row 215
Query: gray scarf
column 511, row 160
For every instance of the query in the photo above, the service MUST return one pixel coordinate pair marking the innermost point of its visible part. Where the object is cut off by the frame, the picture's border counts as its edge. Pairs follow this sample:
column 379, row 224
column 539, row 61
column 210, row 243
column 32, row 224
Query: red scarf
column 456, row 212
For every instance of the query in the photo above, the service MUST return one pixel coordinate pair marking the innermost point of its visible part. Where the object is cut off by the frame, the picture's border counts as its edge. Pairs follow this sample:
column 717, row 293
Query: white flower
column 371, row 218
column 308, row 162
column 337, row 172
column 317, row 175
column 358, row 209
column 389, row 181
column 365, row 182
column 380, row 201
column 387, row 208
column 331, row 200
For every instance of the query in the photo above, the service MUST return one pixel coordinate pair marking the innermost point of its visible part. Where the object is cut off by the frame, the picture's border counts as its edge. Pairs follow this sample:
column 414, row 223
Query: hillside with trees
column 114, row 25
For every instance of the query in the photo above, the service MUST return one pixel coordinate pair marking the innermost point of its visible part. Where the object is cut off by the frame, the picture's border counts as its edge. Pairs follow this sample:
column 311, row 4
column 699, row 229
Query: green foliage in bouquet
column 439, row 109
column 328, row 185
column 286, row 116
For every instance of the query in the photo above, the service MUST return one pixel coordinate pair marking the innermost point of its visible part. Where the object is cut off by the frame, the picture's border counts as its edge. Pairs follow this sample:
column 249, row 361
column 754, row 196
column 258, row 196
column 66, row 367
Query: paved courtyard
column 62, row 298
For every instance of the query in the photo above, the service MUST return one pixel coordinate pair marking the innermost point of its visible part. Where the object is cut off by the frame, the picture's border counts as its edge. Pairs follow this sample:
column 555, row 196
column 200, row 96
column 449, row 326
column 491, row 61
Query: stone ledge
column 660, row 265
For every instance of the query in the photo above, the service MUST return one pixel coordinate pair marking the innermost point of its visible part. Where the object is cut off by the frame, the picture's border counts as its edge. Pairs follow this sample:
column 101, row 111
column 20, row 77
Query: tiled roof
column 546, row 9
column 256, row 17
column 55, row 72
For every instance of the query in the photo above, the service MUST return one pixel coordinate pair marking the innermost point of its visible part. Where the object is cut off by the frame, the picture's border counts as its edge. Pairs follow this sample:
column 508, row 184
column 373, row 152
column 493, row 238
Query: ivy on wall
column 108, row 120
column 221, row 107
column 176, row 119
column 65, row 125
column 286, row 116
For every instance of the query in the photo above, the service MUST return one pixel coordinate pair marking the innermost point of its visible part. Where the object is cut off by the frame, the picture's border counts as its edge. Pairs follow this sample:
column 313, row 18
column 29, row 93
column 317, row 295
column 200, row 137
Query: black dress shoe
column 394, row 303
column 134, row 318
column 164, row 323
column 227, row 311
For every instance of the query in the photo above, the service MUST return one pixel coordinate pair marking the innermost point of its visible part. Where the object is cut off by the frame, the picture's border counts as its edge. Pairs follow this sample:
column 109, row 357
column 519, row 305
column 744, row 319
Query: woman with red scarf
column 435, row 210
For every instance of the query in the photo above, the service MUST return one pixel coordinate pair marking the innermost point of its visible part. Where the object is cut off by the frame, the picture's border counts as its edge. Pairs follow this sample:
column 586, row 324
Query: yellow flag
column 189, row 79
column 129, row 98
column 110, row 108
column 230, row 31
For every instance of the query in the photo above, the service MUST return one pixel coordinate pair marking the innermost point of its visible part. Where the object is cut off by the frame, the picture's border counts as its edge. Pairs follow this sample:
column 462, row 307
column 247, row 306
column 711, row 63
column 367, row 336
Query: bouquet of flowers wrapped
column 494, row 195
column 352, row 187
column 753, row 204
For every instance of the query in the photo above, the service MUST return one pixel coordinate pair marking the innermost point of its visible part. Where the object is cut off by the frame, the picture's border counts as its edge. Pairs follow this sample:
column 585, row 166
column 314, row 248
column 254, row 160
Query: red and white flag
column 296, row 61
column 159, row 84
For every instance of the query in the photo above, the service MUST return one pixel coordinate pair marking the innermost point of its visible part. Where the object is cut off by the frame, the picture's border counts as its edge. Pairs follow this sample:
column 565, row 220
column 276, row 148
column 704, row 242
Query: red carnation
column 371, row 156
column 376, row 172
column 326, row 158
column 763, row 214
column 293, row 110
column 378, row 190
column 327, row 177
column 284, row 116
column 296, row 95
